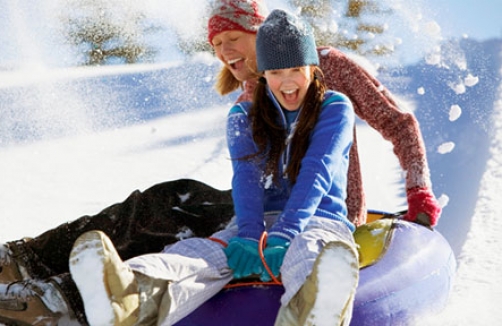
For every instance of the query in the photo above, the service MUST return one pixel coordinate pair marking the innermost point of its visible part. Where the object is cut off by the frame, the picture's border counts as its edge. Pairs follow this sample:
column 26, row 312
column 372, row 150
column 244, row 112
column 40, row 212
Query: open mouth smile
column 232, row 63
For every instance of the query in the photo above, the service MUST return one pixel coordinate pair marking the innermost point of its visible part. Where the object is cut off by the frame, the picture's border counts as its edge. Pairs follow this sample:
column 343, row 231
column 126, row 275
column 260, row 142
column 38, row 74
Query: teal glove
column 274, row 255
column 243, row 257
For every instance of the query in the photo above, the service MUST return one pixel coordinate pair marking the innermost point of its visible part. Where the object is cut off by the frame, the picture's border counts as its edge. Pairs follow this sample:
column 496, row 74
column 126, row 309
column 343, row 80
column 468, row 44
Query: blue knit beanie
column 285, row 41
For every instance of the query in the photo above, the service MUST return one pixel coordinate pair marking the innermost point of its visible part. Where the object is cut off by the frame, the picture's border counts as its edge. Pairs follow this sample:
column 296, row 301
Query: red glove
column 423, row 208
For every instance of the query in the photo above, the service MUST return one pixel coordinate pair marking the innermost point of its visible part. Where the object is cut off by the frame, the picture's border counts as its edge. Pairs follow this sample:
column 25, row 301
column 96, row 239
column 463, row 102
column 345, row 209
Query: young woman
column 290, row 151
column 232, row 30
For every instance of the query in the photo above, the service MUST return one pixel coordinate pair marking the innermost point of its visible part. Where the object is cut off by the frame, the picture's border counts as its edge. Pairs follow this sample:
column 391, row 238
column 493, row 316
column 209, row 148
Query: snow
column 336, row 272
column 52, row 181
column 72, row 144
column 458, row 88
column 85, row 261
column 455, row 112
column 446, row 147
column 471, row 80
column 477, row 291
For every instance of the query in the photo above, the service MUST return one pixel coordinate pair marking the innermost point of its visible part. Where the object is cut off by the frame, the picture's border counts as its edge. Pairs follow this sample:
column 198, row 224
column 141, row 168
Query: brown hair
column 270, row 136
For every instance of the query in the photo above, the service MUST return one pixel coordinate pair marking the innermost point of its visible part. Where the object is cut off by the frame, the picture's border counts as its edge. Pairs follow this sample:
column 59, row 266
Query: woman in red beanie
column 232, row 30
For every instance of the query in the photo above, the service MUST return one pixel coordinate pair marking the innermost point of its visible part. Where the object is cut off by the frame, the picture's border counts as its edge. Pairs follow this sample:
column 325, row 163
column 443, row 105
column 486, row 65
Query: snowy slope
column 467, row 80
column 462, row 106
column 478, row 289
column 75, row 141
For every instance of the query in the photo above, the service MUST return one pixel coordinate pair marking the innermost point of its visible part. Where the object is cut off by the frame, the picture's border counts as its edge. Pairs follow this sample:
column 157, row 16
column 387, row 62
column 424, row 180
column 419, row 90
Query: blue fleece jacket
column 320, row 188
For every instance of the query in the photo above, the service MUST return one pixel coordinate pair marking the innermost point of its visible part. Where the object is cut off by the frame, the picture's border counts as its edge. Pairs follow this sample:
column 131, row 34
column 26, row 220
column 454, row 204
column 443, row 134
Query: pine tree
column 191, row 45
column 354, row 25
column 106, row 32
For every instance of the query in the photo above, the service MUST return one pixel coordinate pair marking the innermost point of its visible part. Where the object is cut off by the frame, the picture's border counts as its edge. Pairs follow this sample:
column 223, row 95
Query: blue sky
column 479, row 19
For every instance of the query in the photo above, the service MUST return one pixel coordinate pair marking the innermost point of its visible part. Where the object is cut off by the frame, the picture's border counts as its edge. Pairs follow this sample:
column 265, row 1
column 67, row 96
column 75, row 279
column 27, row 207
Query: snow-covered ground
column 478, row 288
column 48, row 182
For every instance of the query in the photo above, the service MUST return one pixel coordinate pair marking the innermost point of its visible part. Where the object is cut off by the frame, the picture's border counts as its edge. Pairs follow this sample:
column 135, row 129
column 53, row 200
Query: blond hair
column 226, row 83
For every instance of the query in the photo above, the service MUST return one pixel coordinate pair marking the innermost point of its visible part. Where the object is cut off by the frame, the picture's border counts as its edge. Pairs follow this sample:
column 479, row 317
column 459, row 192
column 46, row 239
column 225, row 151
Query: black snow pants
column 144, row 223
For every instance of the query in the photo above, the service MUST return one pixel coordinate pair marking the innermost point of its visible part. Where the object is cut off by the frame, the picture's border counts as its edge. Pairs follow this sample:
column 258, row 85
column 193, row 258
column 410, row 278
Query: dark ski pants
column 144, row 223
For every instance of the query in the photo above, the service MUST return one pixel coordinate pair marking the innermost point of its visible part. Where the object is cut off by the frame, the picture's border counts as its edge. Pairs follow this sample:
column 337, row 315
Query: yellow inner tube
column 372, row 239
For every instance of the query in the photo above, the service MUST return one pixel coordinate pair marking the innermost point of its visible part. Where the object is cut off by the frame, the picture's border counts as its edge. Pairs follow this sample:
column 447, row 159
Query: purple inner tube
column 412, row 279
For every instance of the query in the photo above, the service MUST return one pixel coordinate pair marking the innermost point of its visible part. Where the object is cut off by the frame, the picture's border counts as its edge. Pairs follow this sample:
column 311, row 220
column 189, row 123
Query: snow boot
column 34, row 303
column 107, row 285
column 10, row 270
column 326, row 298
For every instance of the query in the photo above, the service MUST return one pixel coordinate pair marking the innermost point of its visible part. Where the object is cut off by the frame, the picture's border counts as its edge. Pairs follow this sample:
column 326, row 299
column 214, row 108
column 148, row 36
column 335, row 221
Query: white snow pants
column 195, row 269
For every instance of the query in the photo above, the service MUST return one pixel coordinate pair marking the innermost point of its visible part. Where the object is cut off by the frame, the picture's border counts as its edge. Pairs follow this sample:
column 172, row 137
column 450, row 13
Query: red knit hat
column 240, row 15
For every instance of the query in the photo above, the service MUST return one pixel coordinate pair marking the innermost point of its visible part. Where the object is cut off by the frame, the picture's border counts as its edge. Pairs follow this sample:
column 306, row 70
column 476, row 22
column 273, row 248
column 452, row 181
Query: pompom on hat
column 285, row 41
column 240, row 15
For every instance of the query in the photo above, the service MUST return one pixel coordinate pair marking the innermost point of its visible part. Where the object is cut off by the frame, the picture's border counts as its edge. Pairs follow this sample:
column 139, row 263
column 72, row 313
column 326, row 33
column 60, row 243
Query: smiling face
column 237, row 51
column 289, row 86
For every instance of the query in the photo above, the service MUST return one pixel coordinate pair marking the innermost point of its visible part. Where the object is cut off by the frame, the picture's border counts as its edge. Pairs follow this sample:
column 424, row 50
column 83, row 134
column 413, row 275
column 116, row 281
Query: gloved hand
column 274, row 255
column 423, row 208
column 243, row 257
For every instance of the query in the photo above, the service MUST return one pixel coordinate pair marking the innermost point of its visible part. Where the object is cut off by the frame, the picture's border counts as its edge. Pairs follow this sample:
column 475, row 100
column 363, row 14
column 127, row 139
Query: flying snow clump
column 446, row 147
column 455, row 112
